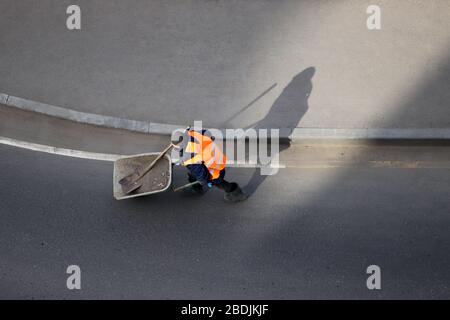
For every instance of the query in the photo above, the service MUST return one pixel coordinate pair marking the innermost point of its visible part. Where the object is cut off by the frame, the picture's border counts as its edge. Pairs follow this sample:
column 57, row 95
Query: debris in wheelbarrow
column 133, row 180
column 158, row 179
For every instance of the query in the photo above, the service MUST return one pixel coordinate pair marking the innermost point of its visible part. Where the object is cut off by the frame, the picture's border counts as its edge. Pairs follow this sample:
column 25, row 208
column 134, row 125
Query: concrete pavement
column 43, row 133
column 40, row 129
column 303, row 234
column 286, row 131
column 203, row 60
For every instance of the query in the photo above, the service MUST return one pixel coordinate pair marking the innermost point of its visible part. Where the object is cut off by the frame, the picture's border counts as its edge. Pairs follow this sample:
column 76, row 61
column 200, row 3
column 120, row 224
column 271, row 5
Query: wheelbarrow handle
column 185, row 186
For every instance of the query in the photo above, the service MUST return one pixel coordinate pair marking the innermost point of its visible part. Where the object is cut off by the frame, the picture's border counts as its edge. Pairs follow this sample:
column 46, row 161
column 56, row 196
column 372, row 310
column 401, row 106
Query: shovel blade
column 130, row 183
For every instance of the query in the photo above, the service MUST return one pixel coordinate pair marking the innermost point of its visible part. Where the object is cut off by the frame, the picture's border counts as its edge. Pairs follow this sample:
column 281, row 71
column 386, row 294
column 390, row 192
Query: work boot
column 235, row 195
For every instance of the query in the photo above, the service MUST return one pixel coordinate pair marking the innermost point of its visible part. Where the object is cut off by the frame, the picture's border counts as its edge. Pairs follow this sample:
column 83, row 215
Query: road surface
column 304, row 233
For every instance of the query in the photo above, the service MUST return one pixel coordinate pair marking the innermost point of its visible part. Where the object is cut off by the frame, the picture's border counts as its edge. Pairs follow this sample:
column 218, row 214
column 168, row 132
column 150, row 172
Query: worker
column 205, row 163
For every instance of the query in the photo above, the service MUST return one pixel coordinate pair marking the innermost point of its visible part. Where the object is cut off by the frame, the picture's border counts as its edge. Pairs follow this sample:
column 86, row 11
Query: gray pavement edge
column 167, row 129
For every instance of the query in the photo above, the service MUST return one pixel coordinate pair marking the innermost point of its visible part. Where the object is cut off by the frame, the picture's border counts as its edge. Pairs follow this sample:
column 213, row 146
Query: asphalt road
column 303, row 234
column 178, row 61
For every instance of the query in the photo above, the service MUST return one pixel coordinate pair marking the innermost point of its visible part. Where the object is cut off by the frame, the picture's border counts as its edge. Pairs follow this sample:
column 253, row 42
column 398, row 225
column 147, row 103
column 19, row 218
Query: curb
column 93, row 155
column 88, row 118
column 370, row 134
column 305, row 165
column 59, row 151
column 167, row 129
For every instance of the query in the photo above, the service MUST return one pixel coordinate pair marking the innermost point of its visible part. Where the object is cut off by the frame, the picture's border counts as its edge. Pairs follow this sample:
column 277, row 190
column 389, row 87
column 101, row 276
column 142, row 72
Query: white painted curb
column 94, row 155
column 88, row 118
column 59, row 151
column 368, row 134
column 167, row 129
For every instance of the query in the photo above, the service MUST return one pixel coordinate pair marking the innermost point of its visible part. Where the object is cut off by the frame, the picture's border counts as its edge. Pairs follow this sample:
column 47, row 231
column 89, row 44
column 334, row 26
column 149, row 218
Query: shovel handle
column 151, row 165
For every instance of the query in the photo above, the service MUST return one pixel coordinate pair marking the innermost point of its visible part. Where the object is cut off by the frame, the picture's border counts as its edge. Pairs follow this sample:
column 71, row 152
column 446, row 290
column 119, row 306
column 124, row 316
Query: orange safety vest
column 205, row 151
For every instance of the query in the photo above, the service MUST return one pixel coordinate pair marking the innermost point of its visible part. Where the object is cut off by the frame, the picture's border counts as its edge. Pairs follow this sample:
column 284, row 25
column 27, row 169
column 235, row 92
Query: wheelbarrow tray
column 158, row 179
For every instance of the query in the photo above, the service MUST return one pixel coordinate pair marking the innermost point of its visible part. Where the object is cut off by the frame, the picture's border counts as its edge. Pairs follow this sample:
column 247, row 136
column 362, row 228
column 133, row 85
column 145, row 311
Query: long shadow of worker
column 285, row 113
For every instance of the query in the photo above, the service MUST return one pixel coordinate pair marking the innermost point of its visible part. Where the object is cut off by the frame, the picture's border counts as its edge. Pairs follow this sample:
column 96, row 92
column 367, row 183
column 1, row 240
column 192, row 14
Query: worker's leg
column 232, row 190
column 225, row 185
column 198, row 172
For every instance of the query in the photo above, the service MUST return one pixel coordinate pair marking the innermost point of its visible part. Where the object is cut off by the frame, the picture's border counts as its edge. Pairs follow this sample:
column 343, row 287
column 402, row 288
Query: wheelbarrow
column 157, row 179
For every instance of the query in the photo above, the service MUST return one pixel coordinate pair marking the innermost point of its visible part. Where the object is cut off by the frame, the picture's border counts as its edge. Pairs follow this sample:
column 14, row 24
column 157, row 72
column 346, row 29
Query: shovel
column 134, row 180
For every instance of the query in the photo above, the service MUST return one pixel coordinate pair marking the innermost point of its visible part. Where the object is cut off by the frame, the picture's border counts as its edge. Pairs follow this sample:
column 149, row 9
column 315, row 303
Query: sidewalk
column 286, row 131
column 21, row 128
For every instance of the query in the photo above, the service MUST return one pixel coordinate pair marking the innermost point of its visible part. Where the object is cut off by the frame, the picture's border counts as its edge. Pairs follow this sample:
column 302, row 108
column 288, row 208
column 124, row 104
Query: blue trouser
column 199, row 172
